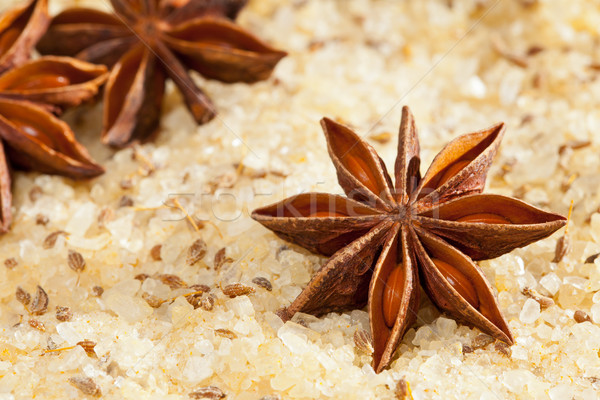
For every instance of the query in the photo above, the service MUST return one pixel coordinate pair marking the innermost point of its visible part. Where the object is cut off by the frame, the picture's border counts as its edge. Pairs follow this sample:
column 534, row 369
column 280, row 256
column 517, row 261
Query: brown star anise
column 31, row 136
column 145, row 41
column 384, row 237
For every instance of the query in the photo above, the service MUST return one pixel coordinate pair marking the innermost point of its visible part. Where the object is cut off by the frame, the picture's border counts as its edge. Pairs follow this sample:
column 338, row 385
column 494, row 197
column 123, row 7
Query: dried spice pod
column 147, row 42
column 208, row 392
column 30, row 92
column 263, row 283
column 237, row 289
column 51, row 239
column 171, row 280
column 86, row 386
column 226, row 333
column 39, row 305
column 20, row 29
column 22, row 296
column 196, row 252
column 76, row 261
column 387, row 236
column 36, row 324
column 63, row 314
column 88, row 346
column 363, row 341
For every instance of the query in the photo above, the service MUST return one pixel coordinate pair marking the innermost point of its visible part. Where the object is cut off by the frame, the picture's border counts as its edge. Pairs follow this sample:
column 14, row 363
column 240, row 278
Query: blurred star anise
column 384, row 237
column 32, row 137
column 146, row 41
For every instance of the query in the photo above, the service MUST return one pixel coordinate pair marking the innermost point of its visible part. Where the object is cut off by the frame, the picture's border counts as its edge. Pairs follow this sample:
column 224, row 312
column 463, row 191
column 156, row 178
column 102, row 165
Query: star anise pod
column 146, row 41
column 384, row 237
column 31, row 136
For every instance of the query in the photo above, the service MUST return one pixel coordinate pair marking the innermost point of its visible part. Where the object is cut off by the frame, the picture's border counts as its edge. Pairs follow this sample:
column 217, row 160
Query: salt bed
column 460, row 66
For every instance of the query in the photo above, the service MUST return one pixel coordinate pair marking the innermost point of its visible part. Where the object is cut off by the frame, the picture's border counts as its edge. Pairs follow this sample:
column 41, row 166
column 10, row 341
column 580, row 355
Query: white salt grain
column 530, row 312
column 131, row 309
column 551, row 282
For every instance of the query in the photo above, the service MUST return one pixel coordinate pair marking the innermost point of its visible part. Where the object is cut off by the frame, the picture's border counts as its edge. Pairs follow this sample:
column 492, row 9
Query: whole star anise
column 31, row 136
column 384, row 237
column 144, row 42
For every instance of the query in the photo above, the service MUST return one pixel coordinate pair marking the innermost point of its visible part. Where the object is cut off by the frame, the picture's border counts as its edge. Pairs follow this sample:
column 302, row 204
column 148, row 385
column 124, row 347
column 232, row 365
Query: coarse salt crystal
column 197, row 369
column 530, row 312
column 561, row 392
column 293, row 338
column 131, row 309
column 551, row 282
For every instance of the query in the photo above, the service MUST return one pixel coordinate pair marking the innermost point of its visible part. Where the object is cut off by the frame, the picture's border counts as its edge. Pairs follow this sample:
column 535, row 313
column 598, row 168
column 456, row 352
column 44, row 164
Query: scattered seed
column 466, row 349
column 86, row 386
column 503, row 348
column 125, row 201
column 105, row 216
column 226, row 333
column 76, row 261
column 50, row 240
column 363, row 341
column 126, row 184
column 88, row 346
column 544, row 301
column 50, row 344
column 208, row 302
column 23, row 296
column 196, row 298
column 152, row 300
column 209, row 392
column 535, row 49
column 141, row 277
column 63, row 313
column 35, row 324
column 97, row 291
column 263, row 283
column 155, row 252
column 581, row 316
column 481, row 341
column 237, row 289
column 35, row 193
column 382, row 137
column 271, row 397
column 199, row 287
column 40, row 302
column 196, row 252
column 221, row 259
column 10, row 263
column 41, row 219
column 172, row 281
column 574, row 145
column 563, row 246
column 502, row 50
column 403, row 390
column 591, row 259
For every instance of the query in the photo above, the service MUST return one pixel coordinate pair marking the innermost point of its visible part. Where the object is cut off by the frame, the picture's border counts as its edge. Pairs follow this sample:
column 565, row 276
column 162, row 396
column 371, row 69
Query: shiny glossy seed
column 35, row 82
column 32, row 131
column 452, row 170
column 484, row 218
column 8, row 38
column 458, row 281
column 324, row 214
column 392, row 295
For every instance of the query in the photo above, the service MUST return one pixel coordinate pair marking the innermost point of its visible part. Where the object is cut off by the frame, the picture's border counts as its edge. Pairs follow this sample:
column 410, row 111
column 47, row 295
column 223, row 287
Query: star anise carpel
column 31, row 93
column 146, row 41
column 384, row 238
